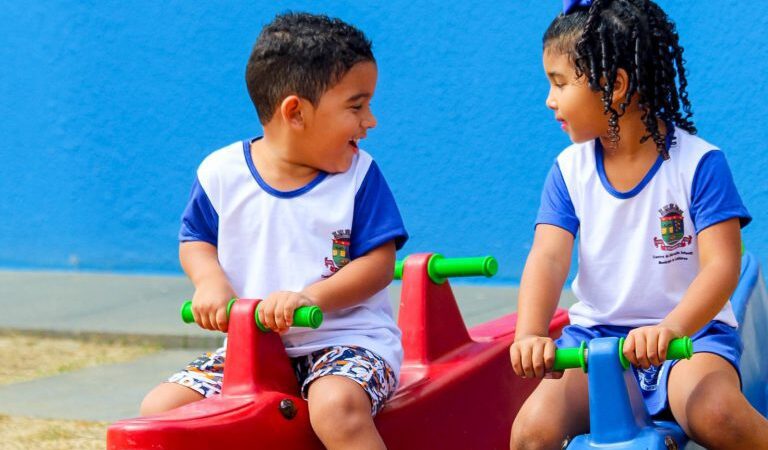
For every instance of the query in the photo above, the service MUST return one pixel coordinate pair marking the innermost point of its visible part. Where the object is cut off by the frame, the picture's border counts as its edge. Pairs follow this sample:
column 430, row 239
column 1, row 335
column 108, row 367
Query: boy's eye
column 357, row 106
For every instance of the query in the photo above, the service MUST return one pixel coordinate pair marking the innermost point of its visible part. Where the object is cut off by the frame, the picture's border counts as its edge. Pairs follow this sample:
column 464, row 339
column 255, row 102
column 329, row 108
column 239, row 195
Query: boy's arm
column 212, row 289
column 359, row 279
column 720, row 264
column 546, row 269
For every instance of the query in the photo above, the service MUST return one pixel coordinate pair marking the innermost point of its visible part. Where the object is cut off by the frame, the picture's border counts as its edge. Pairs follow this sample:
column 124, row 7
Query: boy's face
column 578, row 108
column 342, row 117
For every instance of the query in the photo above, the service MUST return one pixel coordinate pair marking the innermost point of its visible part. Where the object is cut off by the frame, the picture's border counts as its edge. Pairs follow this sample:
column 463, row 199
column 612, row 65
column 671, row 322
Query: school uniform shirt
column 269, row 240
column 638, row 250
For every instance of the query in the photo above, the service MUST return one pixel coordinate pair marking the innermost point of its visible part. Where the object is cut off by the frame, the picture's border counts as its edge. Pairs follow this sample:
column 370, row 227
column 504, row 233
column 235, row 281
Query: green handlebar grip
column 304, row 316
column 571, row 358
column 680, row 348
column 440, row 268
column 399, row 264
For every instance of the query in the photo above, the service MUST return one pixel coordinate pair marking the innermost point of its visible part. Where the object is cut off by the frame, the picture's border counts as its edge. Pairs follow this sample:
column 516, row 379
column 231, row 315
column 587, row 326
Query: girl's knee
column 529, row 435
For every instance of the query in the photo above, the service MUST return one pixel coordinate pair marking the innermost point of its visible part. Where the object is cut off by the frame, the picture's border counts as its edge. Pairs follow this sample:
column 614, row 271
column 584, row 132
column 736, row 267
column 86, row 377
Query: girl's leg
column 340, row 413
column 167, row 396
column 557, row 409
column 706, row 400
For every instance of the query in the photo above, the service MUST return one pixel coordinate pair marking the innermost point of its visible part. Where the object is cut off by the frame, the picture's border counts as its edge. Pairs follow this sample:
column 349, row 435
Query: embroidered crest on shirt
column 339, row 252
column 672, row 229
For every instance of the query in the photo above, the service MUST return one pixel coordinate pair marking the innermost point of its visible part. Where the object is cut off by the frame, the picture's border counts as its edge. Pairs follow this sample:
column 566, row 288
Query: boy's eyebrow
column 359, row 96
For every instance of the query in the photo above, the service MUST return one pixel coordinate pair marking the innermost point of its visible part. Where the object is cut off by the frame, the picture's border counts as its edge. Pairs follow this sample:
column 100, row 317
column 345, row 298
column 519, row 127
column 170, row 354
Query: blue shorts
column 715, row 337
column 205, row 374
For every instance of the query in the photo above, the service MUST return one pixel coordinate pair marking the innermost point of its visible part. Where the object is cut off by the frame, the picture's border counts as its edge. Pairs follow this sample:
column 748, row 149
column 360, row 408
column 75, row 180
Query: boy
column 300, row 217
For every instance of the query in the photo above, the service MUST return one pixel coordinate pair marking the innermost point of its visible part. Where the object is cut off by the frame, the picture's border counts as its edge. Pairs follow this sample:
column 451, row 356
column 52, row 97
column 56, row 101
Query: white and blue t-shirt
column 269, row 240
column 637, row 250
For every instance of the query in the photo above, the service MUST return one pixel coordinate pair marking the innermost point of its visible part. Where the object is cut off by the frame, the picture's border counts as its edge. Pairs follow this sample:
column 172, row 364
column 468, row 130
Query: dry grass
column 21, row 433
column 28, row 357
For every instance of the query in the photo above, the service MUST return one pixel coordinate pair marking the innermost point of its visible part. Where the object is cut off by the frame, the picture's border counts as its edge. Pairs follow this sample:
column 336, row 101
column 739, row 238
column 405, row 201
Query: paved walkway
column 142, row 309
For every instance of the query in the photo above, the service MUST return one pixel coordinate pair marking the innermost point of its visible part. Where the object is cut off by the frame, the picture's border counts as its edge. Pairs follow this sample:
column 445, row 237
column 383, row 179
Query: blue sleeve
column 714, row 197
column 556, row 207
column 376, row 218
column 199, row 222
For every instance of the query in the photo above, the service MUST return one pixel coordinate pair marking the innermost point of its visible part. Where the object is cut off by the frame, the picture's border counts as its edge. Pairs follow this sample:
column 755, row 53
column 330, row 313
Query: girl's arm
column 720, row 265
column 358, row 280
column 200, row 261
column 546, row 269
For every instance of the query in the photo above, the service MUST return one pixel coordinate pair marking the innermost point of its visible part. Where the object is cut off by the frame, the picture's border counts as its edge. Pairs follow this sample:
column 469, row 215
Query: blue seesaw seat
column 618, row 417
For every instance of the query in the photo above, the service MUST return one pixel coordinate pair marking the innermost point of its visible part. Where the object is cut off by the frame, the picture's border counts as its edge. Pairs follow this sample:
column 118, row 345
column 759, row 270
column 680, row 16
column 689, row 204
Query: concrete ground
column 139, row 309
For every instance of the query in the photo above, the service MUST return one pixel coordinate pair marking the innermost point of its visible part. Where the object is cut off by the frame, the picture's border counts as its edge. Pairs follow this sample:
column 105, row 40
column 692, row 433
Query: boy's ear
column 291, row 111
column 620, row 86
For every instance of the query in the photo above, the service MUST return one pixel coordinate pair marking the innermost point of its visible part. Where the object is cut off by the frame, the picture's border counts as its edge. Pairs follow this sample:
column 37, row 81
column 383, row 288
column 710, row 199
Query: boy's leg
column 340, row 413
column 557, row 409
column 167, row 396
column 706, row 400
column 201, row 378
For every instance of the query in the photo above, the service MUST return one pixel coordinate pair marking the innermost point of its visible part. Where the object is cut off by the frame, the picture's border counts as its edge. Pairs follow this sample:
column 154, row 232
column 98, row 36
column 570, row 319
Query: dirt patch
column 28, row 357
column 22, row 433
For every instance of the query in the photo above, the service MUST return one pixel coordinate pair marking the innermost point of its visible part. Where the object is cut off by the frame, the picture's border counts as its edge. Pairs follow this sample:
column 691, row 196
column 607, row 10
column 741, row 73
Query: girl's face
column 578, row 108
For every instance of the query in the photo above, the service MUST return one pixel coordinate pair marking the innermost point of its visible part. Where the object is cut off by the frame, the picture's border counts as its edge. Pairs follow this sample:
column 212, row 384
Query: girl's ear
column 291, row 111
column 620, row 87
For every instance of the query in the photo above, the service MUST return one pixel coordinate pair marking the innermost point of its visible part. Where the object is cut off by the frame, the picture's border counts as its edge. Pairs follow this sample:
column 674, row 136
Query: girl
column 659, row 221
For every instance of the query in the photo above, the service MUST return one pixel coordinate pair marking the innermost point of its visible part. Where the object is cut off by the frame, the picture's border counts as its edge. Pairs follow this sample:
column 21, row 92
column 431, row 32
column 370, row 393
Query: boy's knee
column 166, row 397
column 339, row 412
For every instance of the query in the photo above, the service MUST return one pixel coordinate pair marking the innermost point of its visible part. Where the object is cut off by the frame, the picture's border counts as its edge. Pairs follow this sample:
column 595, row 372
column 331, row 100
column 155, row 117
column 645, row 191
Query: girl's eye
column 357, row 107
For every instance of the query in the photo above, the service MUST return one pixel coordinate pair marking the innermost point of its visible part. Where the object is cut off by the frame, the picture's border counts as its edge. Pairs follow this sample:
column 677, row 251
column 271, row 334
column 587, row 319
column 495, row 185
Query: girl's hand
column 647, row 346
column 209, row 304
column 533, row 357
column 276, row 311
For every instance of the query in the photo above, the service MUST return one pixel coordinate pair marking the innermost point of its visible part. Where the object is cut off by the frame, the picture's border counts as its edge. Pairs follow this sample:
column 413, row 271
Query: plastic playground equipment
column 617, row 414
column 457, row 388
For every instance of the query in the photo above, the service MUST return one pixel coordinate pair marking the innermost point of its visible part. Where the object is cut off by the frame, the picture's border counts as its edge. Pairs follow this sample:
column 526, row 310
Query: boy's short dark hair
column 302, row 54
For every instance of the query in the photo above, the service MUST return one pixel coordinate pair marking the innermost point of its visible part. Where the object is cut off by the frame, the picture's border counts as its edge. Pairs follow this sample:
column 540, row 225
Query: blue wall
column 108, row 107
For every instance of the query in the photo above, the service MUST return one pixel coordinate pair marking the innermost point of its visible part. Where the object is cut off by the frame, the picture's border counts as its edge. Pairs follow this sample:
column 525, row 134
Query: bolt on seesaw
column 573, row 357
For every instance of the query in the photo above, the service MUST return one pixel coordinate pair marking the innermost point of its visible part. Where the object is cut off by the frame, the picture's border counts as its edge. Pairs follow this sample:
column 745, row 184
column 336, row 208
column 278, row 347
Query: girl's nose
column 551, row 104
column 550, row 101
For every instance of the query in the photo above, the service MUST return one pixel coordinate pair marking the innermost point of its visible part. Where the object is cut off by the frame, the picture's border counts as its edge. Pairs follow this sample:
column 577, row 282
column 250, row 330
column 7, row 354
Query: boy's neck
column 272, row 156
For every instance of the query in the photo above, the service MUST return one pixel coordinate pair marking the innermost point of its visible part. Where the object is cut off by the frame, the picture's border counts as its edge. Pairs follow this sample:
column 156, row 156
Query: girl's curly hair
column 639, row 37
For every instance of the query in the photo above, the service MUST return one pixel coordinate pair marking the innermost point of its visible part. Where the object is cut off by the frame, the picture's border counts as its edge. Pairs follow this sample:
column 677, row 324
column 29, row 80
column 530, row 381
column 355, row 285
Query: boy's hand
column 276, row 311
column 647, row 346
column 209, row 304
column 533, row 357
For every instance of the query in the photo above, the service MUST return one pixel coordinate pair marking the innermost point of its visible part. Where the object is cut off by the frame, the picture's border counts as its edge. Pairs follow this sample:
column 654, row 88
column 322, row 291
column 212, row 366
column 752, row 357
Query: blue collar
column 648, row 176
column 269, row 189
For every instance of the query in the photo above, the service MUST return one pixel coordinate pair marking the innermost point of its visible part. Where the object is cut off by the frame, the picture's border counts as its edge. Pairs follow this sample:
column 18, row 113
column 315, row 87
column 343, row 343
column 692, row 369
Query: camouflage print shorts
column 362, row 366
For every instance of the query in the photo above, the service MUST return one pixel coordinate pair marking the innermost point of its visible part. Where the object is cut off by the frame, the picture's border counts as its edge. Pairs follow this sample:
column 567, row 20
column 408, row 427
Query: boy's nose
column 370, row 121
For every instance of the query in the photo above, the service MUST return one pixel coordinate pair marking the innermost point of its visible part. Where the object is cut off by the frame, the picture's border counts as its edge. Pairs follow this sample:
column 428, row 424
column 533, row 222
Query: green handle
column 569, row 358
column 304, row 316
column 440, row 268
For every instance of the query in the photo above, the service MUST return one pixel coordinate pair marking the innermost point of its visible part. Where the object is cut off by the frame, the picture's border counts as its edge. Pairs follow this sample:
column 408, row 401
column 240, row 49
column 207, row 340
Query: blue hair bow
column 570, row 5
